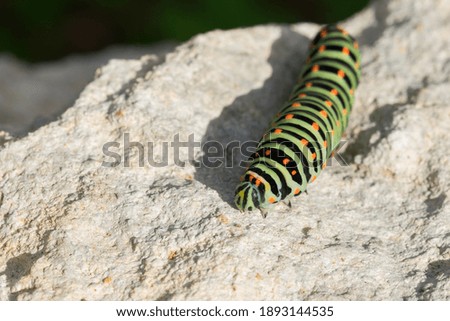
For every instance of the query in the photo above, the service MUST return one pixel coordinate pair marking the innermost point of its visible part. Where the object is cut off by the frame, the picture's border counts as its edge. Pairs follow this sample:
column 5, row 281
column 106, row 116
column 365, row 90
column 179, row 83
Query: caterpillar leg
column 287, row 203
column 264, row 212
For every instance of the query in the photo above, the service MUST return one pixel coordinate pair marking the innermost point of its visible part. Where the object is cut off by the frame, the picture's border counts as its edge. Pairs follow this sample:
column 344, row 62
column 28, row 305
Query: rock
column 75, row 226
column 34, row 95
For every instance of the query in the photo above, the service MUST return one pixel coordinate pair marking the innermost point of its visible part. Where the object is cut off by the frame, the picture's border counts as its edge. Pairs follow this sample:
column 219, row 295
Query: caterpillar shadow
column 246, row 118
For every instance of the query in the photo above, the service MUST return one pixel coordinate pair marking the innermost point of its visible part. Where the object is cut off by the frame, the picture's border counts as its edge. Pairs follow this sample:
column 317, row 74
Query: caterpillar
column 301, row 138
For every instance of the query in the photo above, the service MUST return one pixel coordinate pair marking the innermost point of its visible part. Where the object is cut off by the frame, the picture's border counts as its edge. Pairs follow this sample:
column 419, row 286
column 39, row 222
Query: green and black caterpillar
column 303, row 135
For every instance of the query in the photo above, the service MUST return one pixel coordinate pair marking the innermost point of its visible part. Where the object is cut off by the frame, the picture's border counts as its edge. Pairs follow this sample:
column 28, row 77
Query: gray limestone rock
column 75, row 226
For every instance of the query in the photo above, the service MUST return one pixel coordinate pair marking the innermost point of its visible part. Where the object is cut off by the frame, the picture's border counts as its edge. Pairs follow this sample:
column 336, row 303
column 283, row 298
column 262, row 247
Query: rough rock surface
column 32, row 95
column 375, row 229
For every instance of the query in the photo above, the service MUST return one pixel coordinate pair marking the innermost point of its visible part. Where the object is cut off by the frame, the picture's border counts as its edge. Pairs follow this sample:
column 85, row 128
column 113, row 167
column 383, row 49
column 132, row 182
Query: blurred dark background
column 43, row 30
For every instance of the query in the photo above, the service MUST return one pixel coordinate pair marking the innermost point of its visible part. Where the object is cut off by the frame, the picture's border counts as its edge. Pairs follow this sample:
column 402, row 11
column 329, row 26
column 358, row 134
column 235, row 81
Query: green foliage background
column 37, row 30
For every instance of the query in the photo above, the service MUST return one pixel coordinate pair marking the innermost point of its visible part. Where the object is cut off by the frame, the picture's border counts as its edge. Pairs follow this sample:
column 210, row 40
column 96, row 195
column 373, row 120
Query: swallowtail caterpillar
column 303, row 135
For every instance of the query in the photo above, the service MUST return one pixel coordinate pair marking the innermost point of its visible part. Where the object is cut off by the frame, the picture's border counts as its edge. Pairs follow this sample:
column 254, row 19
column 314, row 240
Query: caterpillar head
column 247, row 196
